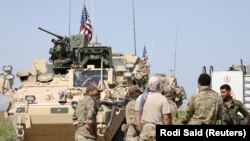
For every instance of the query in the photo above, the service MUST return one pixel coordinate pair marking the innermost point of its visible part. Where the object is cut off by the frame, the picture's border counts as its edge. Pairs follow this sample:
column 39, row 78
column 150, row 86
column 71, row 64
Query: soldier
column 152, row 108
column 86, row 111
column 171, row 95
column 132, row 133
column 205, row 107
column 231, row 107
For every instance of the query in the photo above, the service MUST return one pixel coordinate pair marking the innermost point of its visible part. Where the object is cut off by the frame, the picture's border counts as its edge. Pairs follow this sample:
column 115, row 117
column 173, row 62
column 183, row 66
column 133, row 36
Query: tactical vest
column 173, row 110
column 130, row 112
column 82, row 113
column 230, row 116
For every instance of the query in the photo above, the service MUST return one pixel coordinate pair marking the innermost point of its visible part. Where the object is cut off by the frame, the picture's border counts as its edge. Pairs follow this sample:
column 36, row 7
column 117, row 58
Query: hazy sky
column 210, row 32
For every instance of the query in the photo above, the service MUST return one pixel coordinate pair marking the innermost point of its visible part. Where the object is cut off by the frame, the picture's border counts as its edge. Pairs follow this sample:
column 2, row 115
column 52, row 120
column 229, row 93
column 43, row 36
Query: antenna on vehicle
column 69, row 16
column 134, row 27
column 171, row 72
column 175, row 50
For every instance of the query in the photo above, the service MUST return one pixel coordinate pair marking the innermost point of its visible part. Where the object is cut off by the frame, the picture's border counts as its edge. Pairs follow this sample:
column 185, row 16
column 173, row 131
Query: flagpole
column 92, row 15
column 84, row 6
column 134, row 28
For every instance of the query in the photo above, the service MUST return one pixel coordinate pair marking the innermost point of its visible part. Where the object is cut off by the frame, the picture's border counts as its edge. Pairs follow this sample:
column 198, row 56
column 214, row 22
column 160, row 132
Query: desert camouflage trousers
column 130, row 138
column 193, row 121
column 131, row 134
column 148, row 132
column 83, row 138
column 83, row 134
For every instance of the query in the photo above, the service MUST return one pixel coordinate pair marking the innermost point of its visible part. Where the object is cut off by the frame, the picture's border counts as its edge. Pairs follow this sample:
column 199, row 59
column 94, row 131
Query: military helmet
column 170, row 91
column 134, row 88
column 92, row 88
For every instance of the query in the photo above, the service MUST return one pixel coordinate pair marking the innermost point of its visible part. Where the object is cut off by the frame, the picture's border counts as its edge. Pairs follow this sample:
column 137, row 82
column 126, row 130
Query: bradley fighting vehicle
column 133, row 68
column 41, row 108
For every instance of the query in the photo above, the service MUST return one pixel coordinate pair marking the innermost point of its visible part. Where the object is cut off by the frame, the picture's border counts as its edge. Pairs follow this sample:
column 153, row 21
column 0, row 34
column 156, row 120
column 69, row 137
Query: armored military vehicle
column 41, row 108
column 132, row 67
column 172, row 81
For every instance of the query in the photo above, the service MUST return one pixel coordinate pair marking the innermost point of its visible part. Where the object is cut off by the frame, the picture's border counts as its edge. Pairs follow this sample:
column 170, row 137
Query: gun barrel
column 58, row 36
column 112, row 103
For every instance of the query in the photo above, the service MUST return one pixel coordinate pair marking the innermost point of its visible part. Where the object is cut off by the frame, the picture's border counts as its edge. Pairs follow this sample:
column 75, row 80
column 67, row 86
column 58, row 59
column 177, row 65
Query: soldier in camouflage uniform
column 231, row 107
column 86, row 111
column 171, row 95
column 130, row 129
column 205, row 107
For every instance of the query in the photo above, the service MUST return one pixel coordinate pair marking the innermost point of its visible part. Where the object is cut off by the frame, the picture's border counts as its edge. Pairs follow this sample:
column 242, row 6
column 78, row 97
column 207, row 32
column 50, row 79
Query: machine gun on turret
column 58, row 36
column 65, row 51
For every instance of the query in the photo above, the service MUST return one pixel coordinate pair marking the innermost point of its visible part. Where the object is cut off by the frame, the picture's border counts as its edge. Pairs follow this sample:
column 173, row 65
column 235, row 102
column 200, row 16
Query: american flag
column 85, row 26
column 145, row 56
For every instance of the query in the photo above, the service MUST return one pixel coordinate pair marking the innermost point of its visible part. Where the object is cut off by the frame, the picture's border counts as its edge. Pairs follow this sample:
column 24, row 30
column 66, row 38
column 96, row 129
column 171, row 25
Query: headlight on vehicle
column 30, row 98
column 9, row 76
column 127, row 74
column 138, row 75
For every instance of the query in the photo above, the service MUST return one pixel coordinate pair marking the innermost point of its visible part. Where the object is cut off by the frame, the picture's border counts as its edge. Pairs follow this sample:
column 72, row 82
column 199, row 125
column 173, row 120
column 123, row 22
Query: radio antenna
column 175, row 50
column 134, row 27
column 69, row 16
